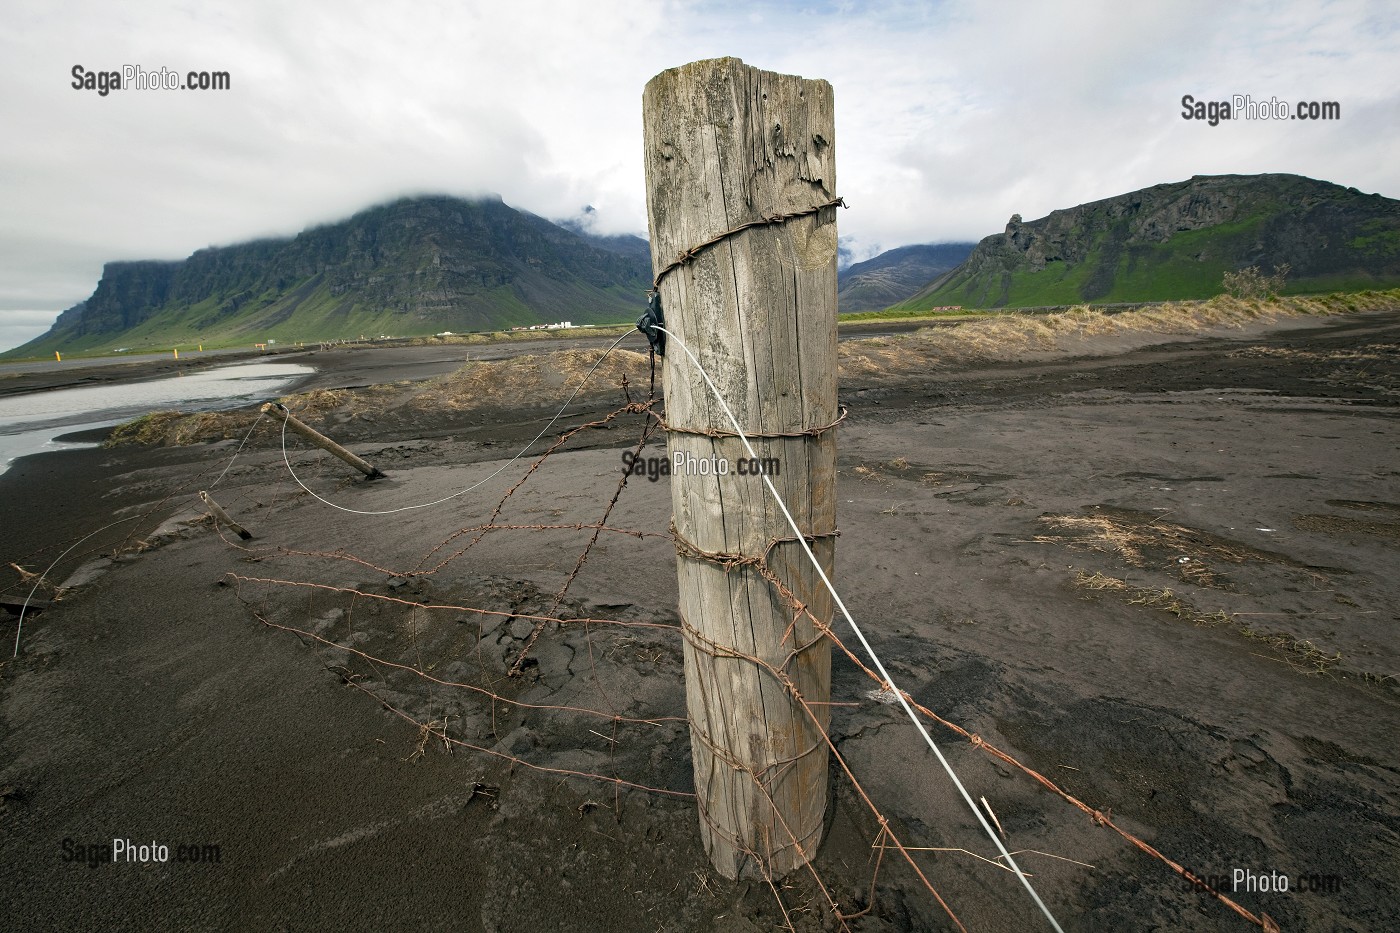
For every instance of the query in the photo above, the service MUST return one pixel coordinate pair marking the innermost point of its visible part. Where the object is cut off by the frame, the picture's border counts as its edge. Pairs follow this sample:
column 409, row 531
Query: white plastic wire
column 228, row 466
column 879, row 666
column 425, row 505
column 39, row 581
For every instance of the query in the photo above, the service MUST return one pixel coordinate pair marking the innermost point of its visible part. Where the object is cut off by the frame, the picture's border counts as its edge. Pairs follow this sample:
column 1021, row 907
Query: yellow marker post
column 177, row 353
column 58, row 356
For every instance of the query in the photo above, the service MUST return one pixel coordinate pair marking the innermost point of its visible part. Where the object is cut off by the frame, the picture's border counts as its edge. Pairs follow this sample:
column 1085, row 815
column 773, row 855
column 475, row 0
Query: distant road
column 126, row 359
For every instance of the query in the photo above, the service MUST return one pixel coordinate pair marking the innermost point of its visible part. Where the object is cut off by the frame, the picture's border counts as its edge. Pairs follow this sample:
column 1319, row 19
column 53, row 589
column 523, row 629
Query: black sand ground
column 1166, row 579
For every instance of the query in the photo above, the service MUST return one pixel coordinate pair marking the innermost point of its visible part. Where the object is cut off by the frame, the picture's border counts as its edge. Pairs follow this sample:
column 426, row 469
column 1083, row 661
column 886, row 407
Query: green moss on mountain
column 1176, row 241
column 416, row 266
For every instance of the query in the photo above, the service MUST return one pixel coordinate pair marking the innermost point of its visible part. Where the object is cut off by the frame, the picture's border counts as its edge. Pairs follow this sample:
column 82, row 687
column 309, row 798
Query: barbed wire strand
column 779, row 218
column 561, row 441
column 440, row 732
column 490, row 526
column 418, row 672
column 424, row 505
column 1102, row 818
column 760, row 566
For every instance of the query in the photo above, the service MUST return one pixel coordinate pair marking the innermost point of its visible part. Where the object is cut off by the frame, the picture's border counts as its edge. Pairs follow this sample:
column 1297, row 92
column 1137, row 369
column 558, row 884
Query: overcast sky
column 949, row 116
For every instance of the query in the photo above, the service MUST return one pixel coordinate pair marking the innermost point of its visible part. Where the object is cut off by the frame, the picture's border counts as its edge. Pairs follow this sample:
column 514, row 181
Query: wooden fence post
column 320, row 440
column 730, row 145
column 220, row 515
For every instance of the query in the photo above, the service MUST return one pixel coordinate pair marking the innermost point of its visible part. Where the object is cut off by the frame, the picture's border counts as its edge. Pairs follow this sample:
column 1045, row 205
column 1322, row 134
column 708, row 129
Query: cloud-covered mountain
column 414, row 266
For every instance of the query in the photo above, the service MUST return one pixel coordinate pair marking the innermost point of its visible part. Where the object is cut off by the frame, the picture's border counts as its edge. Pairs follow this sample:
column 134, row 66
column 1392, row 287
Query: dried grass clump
column 1015, row 335
column 1162, row 599
column 368, row 403
column 317, row 402
column 1188, row 553
column 178, row 429
column 1300, row 654
column 537, row 379
column 1304, row 656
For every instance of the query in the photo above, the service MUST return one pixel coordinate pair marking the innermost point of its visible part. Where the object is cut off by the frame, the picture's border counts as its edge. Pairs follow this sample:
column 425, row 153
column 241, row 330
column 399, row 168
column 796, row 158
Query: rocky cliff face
column 418, row 265
column 1176, row 240
column 123, row 295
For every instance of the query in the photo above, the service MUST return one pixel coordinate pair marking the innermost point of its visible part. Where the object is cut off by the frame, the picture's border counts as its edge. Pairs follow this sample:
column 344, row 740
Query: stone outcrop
column 1120, row 246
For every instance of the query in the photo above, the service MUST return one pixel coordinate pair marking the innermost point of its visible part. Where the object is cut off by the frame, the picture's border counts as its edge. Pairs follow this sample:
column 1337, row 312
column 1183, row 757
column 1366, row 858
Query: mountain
column 624, row 243
column 415, row 266
column 895, row 275
column 1177, row 240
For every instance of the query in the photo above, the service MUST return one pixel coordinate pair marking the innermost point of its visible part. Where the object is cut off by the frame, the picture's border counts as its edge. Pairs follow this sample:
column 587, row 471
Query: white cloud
column 19, row 326
column 951, row 115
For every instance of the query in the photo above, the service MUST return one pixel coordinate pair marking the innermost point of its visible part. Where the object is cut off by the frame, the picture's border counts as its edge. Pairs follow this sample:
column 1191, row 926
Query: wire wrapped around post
column 740, row 180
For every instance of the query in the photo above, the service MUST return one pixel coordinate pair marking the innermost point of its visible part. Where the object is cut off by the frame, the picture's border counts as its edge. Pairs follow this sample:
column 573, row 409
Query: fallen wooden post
column 741, row 204
column 221, row 516
column 320, row 440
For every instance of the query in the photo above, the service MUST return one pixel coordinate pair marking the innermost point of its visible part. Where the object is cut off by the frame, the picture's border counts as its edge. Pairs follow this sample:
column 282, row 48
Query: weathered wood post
column 220, row 515
column 728, row 145
column 320, row 440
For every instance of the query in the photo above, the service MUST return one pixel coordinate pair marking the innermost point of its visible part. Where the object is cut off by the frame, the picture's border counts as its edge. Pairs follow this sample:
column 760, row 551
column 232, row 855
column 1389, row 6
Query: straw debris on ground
column 1301, row 654
column 1142, row 540
column 542, row 379
column 1019, row 335
column 546, row 379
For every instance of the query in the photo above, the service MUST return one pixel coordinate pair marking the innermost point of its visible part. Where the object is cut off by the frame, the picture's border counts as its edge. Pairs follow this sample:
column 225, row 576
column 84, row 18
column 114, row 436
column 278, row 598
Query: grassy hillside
column 1175, row 242
column 312, row 315
column 412, row 268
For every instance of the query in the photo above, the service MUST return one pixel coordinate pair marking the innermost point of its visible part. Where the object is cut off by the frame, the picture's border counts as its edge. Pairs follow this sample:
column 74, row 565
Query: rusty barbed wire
column 721, row 432
column 1099, row 817
column 882, row 835
column 647, row 429
column 629, row 408
column 690, row 255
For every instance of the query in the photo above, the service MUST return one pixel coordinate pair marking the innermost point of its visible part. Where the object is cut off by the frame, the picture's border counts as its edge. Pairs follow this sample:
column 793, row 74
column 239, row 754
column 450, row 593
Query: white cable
column 424, row 505
column 889, row 681
column 229, row 465
column 39, row 582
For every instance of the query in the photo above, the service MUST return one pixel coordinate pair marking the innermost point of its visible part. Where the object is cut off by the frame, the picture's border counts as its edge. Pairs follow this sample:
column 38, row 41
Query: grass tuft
column 178, row 429
column 1015, row 335
column 1300, row 654
column 538, row 379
